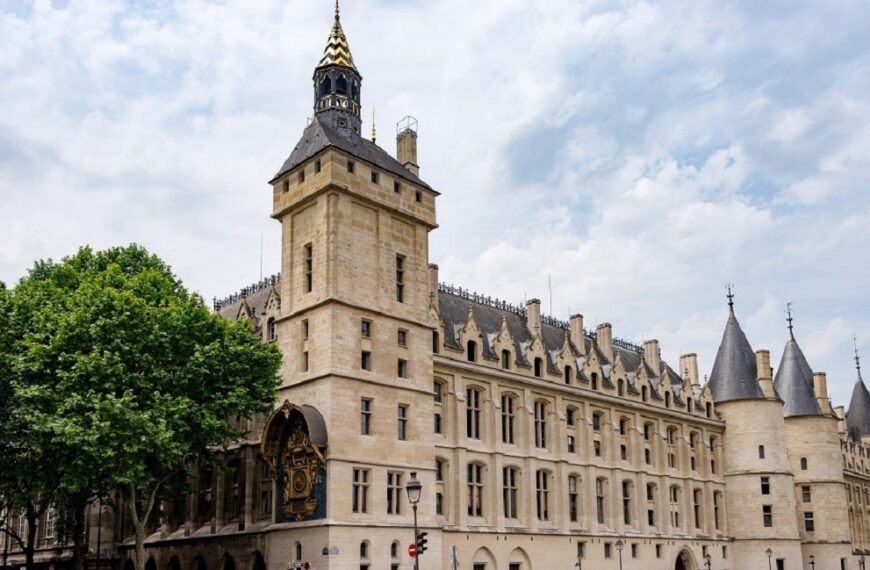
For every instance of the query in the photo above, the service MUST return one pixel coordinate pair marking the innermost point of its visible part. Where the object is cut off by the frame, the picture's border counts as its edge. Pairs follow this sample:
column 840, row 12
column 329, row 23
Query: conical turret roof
column 735, row 373
column 794, row 382
column 858, row 416
column 337, row 50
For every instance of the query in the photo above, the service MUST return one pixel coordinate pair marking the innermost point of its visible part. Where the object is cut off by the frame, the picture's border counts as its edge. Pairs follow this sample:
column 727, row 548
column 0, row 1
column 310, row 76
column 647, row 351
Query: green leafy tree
column 130, row 377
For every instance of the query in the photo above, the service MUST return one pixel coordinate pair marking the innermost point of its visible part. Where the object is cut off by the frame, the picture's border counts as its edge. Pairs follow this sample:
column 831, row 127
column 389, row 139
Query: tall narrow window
column 366, row 328
column 696, row 507
column 360, row 490
column 765, row 485
column 475, row 490
column 308, row 271
column 304, row 329
column 436, row 342
column 509, row 492
column 365, row 360
column 539, row 367
column 761, row 452
column 365, row 418
column 472, row 413
column 542, row 494
column 767, row 515
column 806, row 494
column 809, row 524
column 803, row 463
column 400, row 278
column 394, row 493
column 507, row 419
column 402, row 426
column 717, row 499
column 599, row 500
column 471, row 351
column 273, row 330
column 626, row 502
column 402, row 368
column 568, row 375
column 540, row 424
column 506, row 359
column 573, row 499
column 596, row 422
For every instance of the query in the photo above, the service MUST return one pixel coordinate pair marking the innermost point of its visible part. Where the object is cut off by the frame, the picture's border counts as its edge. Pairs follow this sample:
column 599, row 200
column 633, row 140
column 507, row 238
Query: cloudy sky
column 638, row 154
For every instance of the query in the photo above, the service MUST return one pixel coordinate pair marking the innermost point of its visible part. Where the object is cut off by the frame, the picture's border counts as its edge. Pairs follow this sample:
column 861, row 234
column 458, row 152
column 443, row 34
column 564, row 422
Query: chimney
column 840, row 412
column 689, row 368
column 765, row 373
column 820, row 387
column 406, row 144
column 652, row 355
column 577, row 335
column 433, row 279
column 533, row 316
column 604, row 340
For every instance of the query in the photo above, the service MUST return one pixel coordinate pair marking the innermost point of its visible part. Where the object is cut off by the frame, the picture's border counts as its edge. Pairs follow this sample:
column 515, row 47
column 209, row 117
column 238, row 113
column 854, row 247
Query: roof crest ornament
column 374, row 130
column 790, row 319
column 730, row 288
column 857, row 356
column 337, row 11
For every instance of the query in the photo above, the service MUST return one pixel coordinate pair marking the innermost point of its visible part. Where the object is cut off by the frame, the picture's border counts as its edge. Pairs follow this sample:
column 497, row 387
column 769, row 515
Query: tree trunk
column 79, row 505
column 30, row 548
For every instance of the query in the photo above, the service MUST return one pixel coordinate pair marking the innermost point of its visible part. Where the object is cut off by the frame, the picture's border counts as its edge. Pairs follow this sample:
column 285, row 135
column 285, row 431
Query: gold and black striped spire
column 337, row 50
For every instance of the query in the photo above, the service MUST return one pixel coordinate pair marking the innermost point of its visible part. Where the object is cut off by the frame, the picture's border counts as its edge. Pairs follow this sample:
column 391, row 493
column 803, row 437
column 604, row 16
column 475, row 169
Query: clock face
column 300, row 482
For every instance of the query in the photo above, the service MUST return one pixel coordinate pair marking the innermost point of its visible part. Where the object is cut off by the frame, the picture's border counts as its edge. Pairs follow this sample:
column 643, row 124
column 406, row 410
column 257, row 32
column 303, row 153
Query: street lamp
column 812, row 562
column 414, row 489
column 708, row 562
column 861, row 563
column 579, row 564
column 619, row 545
column 769, row 553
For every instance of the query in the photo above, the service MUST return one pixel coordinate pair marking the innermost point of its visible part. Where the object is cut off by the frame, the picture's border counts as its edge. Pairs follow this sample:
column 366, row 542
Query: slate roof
column 735, row 373
column 858, row 416
column 255, row 302
column 794, row 383
column 318, row 136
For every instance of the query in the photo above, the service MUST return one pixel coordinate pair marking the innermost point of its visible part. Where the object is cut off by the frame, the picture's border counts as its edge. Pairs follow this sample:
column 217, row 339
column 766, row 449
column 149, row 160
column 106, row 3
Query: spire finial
column 730, row 295
column 337, row 10
column 790, row 320
column 374, row 130
column 857, row 356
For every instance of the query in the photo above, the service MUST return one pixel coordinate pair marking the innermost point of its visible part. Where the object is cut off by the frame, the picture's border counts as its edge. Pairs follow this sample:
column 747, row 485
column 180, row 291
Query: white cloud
column 641, row 154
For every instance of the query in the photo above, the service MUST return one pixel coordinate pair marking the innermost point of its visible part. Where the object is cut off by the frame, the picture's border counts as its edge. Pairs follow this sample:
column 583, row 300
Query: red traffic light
column 412, row 550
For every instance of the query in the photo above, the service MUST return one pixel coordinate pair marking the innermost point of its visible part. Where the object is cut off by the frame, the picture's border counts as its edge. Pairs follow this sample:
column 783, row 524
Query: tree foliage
column 129, row 377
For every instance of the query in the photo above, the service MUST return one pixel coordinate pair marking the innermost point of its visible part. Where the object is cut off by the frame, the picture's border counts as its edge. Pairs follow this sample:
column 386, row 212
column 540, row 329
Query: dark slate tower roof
column 858, row 416
column 794, row 382
column 735, row 373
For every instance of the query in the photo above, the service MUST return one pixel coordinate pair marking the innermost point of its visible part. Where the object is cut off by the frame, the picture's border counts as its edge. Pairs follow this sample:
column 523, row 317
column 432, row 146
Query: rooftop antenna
column 730, row 288
column 550, row 287
column 374, row 130
column 261, row 257
column 789, row 319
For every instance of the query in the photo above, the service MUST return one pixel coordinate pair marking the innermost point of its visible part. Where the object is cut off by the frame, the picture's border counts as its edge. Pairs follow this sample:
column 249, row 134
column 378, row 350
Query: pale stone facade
column 539, row 444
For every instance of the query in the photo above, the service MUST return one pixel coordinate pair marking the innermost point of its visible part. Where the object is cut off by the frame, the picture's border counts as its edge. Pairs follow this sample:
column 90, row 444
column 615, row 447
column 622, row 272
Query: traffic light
column 421, row 542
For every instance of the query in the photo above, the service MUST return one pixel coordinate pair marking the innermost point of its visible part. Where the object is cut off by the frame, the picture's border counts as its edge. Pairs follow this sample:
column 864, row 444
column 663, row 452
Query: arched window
column 539, row 367
column 567, row 374
column 475, row 489
column 472, row 413
column 542, row 494
column 325, row 86
column 394, row 549
column 626, row 502
column 298, row 551
column 341, row 85
column 599, row 499
column 471, row 351
column 540, row 424
column 508, row 418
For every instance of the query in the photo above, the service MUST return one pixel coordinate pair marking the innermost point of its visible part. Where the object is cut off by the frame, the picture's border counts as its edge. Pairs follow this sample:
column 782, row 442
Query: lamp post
column 708, row 562
column 414, row 489
column 861, row 563
column 579, row 564
column 812, row 562
column 619, row 546
column 769, row 553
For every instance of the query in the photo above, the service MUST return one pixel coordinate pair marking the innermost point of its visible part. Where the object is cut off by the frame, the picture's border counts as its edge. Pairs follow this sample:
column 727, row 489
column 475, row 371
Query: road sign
column 412, row 550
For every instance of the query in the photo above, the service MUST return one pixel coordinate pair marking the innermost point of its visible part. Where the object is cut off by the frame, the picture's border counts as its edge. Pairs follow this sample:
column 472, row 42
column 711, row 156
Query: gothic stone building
column 539, row 443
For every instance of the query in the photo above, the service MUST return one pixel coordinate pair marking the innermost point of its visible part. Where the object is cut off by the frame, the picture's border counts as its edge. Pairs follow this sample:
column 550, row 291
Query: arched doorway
column 174, row 563
column 259, row 563
column 685, row 561
column 151, row 564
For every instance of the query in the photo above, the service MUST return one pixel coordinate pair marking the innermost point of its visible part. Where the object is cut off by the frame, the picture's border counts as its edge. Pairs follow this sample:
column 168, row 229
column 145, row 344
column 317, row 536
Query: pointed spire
column 337, row 50
column 794, row 378
column 374, row 129
column 857, row 356
column 735, row 371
